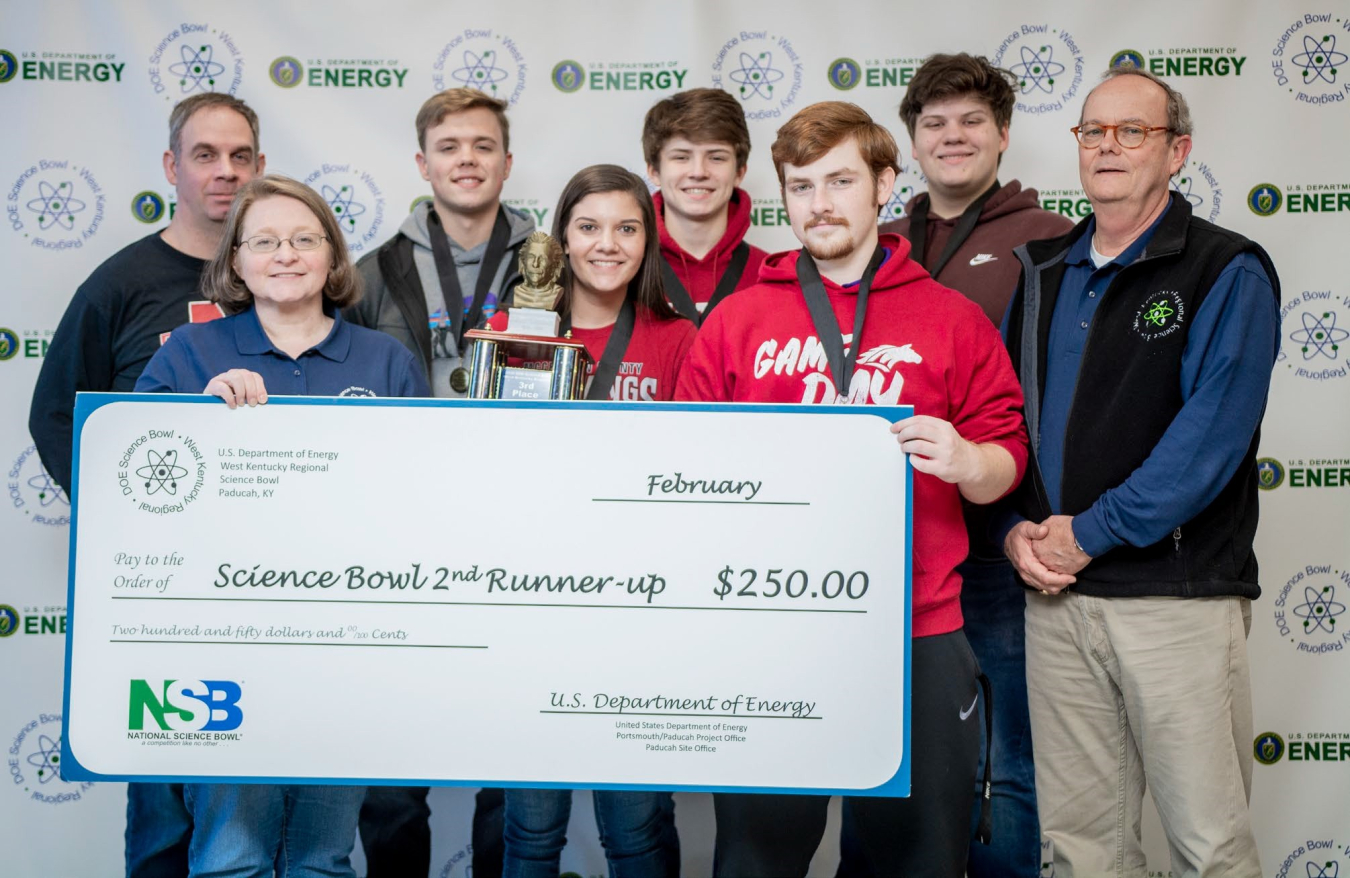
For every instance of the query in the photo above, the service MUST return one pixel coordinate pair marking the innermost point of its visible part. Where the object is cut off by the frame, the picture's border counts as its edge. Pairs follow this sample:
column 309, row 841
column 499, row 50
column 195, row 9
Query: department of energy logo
column 1309, row 59
column 1316, row 327
column 1071, row 203
column 846, row 74
column 1196, row 183
column 1183, row 61
column 570, row 76
column 1316, row 858
column 286, row 71
column 355, row 199
column 1268, row 748
column 490, row 62
column 55, row 204
column 1269, row 473
column 769, row 213
column 1047, row 64
column 908, row 183
column 34, row 493
column 161, row 472
column 9, row 344
column 1309, row 611
column 537, row 209
column 60, row 66
column 148, row 207
column 9, row 621
column 762, row 69
column 9, row 65
column 195, row 58
column 1159, row 315
column 39, row 621
column 34, row 757
column 1265, row 199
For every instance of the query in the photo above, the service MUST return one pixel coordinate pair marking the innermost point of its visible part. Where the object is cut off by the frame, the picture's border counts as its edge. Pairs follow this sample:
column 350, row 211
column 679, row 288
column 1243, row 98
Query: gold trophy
column 531, row 336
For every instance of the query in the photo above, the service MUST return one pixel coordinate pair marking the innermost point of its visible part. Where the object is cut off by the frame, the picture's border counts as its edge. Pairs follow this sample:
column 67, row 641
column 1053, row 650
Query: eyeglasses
column 271, row 243
column 1128, row 136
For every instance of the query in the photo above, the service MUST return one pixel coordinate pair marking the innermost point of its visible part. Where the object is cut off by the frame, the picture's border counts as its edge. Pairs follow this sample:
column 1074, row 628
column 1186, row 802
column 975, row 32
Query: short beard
column 830, row 251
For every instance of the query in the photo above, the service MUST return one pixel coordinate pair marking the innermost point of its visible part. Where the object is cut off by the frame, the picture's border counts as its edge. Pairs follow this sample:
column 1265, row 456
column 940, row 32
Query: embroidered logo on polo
column 1160, row 315
column 808, row 359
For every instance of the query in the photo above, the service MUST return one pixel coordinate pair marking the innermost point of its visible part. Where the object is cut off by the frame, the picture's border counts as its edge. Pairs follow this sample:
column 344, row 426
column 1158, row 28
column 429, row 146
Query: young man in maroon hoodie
column 852, row 319
column 963, row 230
column 697, row 146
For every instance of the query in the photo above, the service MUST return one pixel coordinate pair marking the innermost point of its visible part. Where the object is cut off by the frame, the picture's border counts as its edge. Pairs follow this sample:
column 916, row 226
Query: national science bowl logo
column 55, row 205
column 483, row 59
column 1309, row 59
column 195, row 58
column 1196, row 183
column 1309, row 611
column 286, row 72
column 169, row 711
column 1268, row 748
column 1047, row 64
column 762, row 69
column 1316, row 858
column 356, row 200
column 148, row 207
column 1265, row 199
column 568, row 76
column 1159, row 315
column 35, row 763
column 1269, row 473
column 162, row 472
column 34, row 493
column 908, row 183
column 1316, row 326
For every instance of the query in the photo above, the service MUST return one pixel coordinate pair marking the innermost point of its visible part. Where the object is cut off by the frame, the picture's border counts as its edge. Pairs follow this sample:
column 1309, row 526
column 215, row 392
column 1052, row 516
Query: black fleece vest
column 1128, row 392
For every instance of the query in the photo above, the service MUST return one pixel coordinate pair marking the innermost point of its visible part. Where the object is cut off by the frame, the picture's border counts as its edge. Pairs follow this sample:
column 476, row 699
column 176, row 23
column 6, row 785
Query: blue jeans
column 634, row 830
column 994, row 605
column 158, row 827
column 247, row 830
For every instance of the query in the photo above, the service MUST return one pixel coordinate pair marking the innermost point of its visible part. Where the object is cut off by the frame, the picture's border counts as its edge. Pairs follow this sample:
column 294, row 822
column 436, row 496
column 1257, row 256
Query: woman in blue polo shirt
column 282, row 274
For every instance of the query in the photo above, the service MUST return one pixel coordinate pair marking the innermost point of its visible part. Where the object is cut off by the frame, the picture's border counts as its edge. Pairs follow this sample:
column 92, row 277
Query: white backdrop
column 86, row 89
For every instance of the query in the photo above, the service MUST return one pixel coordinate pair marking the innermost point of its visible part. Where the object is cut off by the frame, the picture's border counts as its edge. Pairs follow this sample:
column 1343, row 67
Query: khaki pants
column 1128, row 692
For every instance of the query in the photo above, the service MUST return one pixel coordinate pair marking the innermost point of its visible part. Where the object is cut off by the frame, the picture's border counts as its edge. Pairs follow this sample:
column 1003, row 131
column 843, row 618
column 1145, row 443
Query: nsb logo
column 185, row 706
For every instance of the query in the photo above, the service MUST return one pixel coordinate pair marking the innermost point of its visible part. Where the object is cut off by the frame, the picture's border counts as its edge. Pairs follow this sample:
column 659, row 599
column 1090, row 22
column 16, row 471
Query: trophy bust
column 531, row 311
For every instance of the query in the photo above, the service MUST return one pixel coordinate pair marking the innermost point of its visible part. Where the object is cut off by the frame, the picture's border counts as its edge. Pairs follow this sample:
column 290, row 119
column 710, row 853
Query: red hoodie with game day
column 922, row 345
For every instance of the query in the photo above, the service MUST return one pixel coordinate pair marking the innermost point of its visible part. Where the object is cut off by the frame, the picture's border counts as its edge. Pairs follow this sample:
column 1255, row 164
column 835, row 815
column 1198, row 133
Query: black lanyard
column 684, row 303
column 822, row 314
column 449, row 275
column 602, row 381
column 918, row 230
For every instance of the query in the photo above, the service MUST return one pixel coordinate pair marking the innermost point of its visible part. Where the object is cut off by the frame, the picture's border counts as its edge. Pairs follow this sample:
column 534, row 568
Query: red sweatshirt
column 649, row 367
column 923, row 345
column 700, row 276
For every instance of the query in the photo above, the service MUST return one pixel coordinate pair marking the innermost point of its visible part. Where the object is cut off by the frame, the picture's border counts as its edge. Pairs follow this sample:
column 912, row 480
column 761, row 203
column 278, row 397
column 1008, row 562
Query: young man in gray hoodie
column 452, row 263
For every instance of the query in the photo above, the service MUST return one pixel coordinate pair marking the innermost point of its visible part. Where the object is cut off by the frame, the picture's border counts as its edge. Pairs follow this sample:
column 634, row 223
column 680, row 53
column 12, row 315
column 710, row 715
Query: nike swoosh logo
column 965, row 714
column 982, row 258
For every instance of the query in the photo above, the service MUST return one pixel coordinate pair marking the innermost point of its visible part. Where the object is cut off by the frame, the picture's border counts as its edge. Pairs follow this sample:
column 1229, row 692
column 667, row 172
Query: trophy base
column 532, row 321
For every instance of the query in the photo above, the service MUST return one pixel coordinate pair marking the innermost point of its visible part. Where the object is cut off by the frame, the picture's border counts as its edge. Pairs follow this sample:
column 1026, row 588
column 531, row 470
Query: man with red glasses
column 1144, row 340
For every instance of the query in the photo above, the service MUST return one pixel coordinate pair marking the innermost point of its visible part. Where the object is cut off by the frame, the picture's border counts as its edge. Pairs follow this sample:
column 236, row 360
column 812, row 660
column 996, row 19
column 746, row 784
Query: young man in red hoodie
column 957, row 110
column 697, row 146
column 852, row 319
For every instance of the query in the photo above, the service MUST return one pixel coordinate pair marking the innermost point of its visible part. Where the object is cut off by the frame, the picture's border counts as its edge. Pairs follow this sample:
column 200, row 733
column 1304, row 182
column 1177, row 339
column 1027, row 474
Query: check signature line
column 719, row 502
column 308, row 643
column 699, row 715
column 481, row 604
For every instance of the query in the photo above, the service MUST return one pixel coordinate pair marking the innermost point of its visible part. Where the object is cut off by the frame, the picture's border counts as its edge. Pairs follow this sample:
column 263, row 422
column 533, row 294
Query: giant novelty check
column 550, row 594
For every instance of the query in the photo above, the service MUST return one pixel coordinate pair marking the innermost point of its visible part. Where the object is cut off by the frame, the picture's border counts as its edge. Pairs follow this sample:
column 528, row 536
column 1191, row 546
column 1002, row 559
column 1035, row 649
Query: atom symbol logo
column 1320, row 335
column 894, row 209
column 48, row 491
column 480, row 71
column 161, row 473
column 47, row 759
column 197, row 68
column 55, row 207
column 344, row 207
column 1158, row 314
column 1331, row 870
column 1319, row 61
column 1037, row 70
column 1321, row 609
column 1183, row 186
column 756, row 75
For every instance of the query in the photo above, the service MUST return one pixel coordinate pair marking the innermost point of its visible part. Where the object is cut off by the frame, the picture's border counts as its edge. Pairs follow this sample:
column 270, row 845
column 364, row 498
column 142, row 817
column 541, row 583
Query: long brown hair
column 645, row 289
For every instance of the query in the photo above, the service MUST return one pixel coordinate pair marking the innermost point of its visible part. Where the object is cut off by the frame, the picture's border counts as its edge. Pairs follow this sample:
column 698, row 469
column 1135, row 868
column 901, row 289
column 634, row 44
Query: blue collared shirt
column 350, row 361
column 1225, row 374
